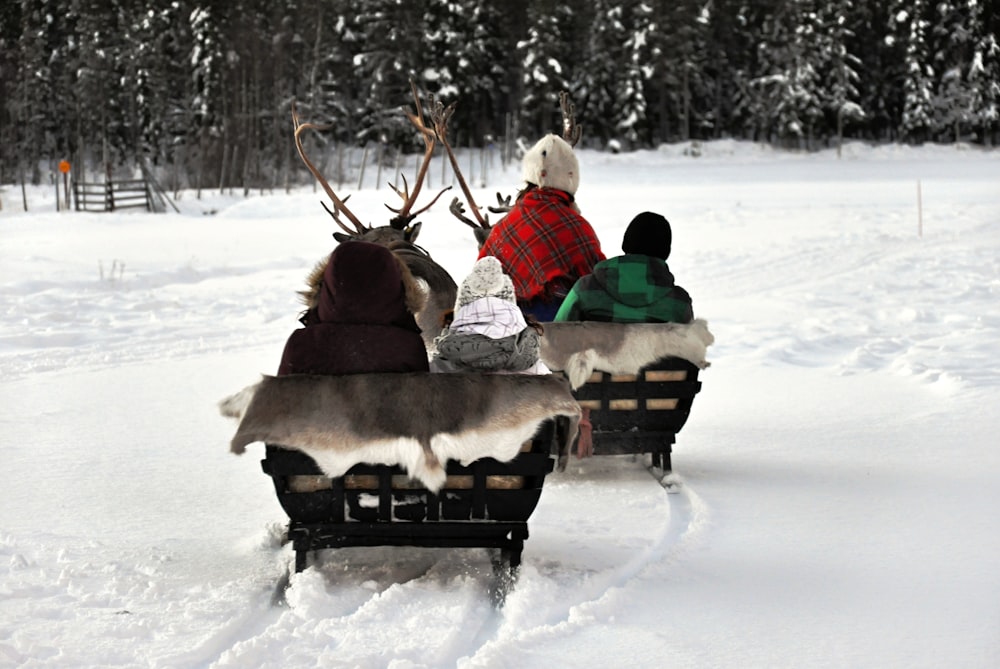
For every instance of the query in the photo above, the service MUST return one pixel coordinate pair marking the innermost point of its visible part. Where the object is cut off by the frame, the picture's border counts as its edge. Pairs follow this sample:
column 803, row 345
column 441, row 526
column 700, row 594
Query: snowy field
column 840, row 498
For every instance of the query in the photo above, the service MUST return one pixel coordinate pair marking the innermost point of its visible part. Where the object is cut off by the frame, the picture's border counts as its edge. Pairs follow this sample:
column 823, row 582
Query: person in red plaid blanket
column 543, row 243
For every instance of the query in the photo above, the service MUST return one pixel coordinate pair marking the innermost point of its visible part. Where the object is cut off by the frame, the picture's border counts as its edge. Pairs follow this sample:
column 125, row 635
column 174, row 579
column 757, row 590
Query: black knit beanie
column 648, row 234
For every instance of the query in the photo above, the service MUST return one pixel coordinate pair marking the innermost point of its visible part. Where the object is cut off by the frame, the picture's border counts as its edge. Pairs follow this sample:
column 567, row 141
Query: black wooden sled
column 640, row 413
column 485, row 504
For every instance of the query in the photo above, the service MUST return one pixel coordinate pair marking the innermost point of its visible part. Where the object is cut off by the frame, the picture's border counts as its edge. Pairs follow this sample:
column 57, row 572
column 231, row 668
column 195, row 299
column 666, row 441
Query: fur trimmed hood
column 380, row 267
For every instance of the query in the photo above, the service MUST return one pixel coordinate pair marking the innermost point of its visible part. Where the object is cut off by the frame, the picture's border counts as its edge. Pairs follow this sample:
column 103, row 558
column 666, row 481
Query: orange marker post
column 64, row 168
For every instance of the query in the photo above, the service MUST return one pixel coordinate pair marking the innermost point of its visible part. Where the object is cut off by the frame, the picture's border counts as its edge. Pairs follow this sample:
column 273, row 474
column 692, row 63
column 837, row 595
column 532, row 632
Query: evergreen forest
column 203, row 89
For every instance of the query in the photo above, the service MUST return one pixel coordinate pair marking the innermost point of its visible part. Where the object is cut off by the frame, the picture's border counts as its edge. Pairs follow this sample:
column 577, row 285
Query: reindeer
column 400, row 234
column 481, row 227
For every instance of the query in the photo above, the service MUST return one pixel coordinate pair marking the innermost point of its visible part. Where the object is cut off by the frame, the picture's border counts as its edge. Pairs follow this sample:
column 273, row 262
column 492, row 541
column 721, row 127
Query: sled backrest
column 658, row 397
column 483, row 489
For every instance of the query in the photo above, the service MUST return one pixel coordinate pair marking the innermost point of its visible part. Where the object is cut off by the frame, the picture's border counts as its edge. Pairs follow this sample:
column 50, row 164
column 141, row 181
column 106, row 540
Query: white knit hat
column 486, row 280
column 551, row 163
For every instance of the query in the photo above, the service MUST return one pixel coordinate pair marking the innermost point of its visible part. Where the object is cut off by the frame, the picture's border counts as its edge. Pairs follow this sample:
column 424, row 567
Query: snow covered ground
column 841, row 475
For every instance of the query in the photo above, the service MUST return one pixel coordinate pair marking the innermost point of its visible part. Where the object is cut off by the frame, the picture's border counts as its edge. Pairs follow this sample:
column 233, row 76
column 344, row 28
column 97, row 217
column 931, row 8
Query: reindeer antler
column 503, row 205
column 571, row 131
column 441, row 116
column 338, row 204
column 403, row 214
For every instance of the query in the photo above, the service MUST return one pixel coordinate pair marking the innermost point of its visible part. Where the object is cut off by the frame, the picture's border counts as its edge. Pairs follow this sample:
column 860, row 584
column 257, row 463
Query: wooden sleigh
column 484, row 503
column 638, row 380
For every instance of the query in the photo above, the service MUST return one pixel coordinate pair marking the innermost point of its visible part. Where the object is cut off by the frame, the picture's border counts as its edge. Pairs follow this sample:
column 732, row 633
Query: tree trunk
column 686, row 92
column 223, row 164
column 840, row 130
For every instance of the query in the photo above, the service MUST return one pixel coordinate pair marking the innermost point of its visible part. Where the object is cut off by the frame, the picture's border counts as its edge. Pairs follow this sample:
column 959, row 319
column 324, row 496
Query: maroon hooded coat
column 360, row 318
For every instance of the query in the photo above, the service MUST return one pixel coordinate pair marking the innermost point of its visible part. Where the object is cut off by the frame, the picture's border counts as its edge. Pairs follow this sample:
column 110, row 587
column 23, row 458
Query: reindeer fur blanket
column 579, row 347
column 417, row 420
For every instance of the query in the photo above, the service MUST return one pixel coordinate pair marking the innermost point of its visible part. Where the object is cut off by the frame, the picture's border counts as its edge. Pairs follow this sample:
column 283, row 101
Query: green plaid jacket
column 628, row 289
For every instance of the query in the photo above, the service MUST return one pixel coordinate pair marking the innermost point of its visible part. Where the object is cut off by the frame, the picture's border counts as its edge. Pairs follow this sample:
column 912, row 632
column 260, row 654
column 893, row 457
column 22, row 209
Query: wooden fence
column 113, row 195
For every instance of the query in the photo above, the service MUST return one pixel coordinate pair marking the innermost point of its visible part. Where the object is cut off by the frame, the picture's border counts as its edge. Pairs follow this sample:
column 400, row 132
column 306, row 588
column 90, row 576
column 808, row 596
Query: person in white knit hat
column 544, row 243
column 488, row 332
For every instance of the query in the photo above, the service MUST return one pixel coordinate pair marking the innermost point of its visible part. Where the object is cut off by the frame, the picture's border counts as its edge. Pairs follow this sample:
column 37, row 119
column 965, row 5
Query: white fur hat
column 486, row 280
column 551, row 163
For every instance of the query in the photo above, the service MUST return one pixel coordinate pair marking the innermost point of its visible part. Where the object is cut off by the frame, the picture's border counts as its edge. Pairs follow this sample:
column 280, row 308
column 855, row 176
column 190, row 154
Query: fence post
column 64, row 170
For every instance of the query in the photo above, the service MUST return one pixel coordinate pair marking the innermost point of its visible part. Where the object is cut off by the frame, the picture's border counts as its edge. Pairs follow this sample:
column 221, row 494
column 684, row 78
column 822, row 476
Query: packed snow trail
column 681, row 530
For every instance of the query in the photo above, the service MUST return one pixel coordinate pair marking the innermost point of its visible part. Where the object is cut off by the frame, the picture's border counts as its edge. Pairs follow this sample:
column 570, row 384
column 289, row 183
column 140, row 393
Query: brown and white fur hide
column 417, row 420
column 579, row 347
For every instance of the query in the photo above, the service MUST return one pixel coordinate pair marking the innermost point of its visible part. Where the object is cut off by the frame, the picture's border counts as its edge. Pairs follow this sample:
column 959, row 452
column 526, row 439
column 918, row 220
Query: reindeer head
column 401, row 226
column 401, row 232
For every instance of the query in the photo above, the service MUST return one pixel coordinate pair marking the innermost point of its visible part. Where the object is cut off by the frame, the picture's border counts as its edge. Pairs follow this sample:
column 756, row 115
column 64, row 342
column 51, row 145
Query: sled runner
column 642, row 412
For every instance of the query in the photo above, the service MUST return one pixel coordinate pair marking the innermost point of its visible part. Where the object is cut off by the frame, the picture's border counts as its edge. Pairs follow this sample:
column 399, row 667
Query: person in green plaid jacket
column 633, row 288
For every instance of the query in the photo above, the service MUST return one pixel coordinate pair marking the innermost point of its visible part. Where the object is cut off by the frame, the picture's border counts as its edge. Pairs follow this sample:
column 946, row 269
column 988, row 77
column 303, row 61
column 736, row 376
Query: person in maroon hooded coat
column 360, row 303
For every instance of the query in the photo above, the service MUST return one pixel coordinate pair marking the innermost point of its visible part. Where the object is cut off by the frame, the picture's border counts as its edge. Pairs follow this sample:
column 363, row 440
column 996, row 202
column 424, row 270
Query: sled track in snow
column 334, row 608
column 335, row 611
column 687, row 526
